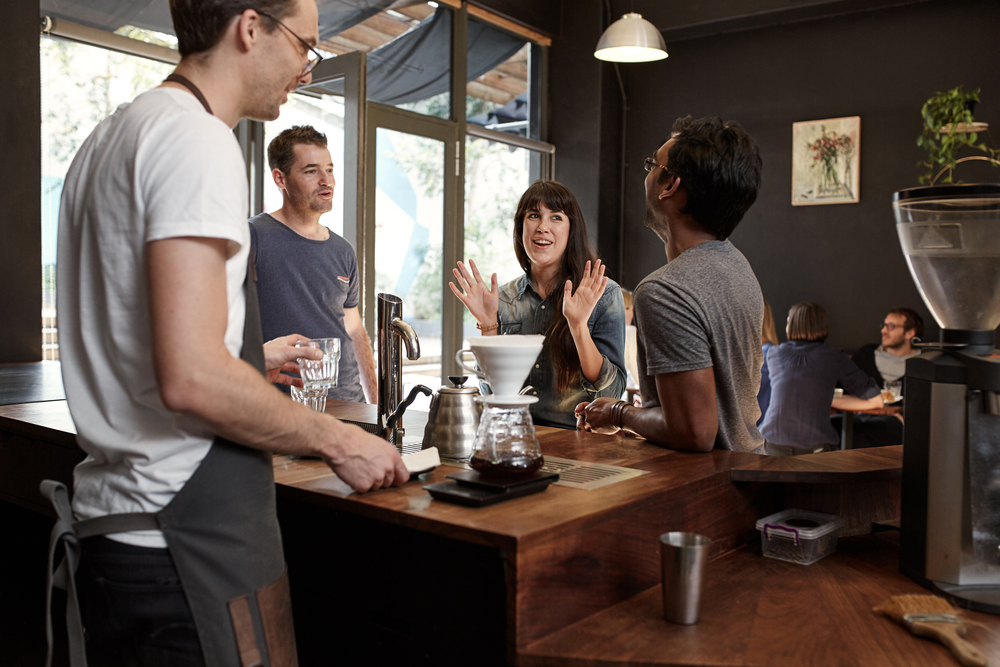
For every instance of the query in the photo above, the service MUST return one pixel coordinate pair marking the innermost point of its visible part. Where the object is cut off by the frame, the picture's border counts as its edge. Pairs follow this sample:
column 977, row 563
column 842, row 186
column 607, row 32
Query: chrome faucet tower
column 392, row 332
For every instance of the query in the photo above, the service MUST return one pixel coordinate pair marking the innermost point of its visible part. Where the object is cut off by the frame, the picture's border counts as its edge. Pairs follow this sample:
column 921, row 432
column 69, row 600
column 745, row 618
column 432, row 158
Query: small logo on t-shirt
column 343, row 279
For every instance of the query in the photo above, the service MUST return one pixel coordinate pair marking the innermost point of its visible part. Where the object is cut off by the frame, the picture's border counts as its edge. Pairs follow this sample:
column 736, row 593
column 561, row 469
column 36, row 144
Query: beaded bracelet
column 488, row 328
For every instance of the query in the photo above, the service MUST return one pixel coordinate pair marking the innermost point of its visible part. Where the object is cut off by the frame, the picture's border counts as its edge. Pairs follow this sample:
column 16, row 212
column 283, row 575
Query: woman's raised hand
column 578, row 306
column 482, row 301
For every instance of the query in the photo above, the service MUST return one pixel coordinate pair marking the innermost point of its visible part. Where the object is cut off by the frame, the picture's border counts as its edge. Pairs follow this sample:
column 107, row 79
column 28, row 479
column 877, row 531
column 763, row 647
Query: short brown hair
column 807, row 321
column 200, row 24
column 911, row 320
column 281, row 150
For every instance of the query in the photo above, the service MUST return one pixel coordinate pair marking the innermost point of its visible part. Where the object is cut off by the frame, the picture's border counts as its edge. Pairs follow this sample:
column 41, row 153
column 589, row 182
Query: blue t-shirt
column 303, row 287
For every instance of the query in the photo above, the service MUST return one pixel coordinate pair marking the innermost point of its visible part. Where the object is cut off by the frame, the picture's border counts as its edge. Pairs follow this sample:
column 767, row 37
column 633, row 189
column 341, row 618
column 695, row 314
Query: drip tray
column 588, row 476
column 368, row 426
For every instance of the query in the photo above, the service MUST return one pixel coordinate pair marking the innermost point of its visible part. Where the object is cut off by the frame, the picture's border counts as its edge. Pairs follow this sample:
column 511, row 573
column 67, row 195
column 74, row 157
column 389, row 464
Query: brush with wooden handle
column 934, row 618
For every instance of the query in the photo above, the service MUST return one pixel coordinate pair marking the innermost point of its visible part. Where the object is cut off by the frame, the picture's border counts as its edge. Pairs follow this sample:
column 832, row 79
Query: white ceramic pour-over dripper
column 504, row 361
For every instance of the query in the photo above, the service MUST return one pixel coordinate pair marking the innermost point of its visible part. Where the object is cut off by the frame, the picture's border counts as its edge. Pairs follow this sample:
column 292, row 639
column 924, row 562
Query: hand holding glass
column 320, row 373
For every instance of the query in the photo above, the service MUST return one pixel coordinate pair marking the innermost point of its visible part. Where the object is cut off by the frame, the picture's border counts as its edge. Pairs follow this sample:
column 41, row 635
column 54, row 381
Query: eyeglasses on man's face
column 890, row 326
column 314, row 59
column 650, row 163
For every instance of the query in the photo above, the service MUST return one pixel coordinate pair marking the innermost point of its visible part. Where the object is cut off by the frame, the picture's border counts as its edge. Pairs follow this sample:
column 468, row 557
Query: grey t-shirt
column 303, row 287
column 704, row 309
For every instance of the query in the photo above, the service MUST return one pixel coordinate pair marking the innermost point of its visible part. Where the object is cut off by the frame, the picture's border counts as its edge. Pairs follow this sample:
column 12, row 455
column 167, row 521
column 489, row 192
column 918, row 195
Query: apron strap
column 69, row 533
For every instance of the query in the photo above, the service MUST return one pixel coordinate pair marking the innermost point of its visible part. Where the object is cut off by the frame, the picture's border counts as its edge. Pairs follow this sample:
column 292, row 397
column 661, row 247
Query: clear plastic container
column 799, row 536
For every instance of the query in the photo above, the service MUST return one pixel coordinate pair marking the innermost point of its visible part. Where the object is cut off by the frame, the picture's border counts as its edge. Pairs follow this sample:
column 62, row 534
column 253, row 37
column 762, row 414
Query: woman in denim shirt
column 804, row 372
column 584, row 327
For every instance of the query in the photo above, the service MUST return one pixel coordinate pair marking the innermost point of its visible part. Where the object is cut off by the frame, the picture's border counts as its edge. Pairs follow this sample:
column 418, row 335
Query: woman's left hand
column 578, row 306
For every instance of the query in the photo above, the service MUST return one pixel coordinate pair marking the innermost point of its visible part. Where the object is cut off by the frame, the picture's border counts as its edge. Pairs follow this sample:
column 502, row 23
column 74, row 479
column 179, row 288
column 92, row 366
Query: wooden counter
column 761, row 612
column 434, row 583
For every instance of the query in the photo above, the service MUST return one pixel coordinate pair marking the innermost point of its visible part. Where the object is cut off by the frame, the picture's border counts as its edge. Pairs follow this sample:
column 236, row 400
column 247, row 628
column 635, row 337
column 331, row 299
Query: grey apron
column 223, row 535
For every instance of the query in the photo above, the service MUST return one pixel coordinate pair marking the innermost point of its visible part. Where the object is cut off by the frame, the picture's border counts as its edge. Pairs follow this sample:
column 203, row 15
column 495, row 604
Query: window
column 81, row 85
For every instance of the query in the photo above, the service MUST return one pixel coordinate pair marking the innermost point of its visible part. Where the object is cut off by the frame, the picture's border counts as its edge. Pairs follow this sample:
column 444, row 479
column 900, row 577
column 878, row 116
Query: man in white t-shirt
column 155, row 314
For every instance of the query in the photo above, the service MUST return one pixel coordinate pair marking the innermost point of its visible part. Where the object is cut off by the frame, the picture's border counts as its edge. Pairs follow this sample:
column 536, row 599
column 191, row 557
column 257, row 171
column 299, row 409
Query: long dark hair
column 558, row 338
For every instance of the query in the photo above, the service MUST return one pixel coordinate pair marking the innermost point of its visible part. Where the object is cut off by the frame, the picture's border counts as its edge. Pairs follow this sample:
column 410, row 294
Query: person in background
column 886, row 363
column 307, row 276
column 631, row 351
column 804, row 373
column 699, row 316
column 563, row 294
column 769, row 339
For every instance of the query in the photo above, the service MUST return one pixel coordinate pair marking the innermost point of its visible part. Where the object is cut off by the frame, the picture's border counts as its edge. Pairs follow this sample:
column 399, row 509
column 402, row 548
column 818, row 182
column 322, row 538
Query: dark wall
column 574, row 106
column 20, row 188
column 880, row 65
column 544, row 16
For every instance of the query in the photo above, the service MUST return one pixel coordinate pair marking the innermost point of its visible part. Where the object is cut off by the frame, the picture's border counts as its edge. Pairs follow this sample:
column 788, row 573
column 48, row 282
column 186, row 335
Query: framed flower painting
column 826, row 162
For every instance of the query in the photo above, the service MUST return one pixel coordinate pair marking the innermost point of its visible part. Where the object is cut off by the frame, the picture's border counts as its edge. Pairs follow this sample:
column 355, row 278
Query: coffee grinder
column 950, row 521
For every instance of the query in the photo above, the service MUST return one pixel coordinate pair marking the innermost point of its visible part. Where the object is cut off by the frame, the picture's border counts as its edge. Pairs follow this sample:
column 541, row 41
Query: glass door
column 413, row 230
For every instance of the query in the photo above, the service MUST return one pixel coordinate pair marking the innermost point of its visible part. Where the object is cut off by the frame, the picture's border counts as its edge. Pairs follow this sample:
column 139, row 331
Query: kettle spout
column 409, row 337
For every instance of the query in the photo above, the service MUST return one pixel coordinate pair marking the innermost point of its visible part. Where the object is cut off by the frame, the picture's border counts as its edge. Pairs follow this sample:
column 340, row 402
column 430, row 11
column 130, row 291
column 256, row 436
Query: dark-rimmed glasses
column 890, row 326
column 649, row 164
column 314, row 60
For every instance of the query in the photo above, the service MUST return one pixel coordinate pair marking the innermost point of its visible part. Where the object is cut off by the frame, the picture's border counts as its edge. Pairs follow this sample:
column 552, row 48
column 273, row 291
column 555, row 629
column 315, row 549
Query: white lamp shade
column 631, row 39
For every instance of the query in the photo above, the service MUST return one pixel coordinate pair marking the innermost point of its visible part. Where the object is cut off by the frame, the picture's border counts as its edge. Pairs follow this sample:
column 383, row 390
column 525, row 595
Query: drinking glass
column 892, row 391
column 311, row 398
column 320, row 373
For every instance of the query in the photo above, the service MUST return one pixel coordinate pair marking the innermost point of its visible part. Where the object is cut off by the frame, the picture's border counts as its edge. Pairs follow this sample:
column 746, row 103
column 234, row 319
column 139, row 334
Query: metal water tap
column 392, row 333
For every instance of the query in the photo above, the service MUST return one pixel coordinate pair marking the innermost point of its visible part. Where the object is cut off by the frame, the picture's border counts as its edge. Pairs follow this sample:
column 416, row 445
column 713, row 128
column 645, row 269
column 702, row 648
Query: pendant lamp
column 631, row 39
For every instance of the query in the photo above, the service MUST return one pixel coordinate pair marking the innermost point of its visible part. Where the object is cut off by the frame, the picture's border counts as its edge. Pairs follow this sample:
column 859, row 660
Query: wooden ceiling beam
column 482, row 92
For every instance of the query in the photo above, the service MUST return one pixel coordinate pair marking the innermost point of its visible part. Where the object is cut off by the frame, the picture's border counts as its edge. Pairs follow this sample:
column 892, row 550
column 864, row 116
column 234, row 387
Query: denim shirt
column 803, row 375
column 523, row 311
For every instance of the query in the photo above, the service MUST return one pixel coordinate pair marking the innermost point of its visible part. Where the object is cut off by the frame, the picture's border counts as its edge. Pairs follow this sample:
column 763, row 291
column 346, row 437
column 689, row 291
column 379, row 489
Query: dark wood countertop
column 763, row 612
column 31, row 382
column 567, row 553
column 523, row 520
column 837, row 467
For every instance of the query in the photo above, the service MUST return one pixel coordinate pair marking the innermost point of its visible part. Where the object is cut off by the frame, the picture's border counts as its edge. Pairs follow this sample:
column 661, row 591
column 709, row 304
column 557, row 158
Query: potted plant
column 948, row 127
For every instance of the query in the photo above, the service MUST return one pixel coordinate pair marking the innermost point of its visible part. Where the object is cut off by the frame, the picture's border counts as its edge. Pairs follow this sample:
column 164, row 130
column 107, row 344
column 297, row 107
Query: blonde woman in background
column 768, row 339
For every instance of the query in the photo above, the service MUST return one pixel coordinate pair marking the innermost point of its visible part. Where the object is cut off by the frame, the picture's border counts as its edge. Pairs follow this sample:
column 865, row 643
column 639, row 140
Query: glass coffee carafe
column 506, row 447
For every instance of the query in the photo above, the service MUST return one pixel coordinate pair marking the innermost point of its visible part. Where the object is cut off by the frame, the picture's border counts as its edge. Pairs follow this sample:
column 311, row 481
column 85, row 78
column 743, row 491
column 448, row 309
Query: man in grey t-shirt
column 307, row 276
column 699, row 316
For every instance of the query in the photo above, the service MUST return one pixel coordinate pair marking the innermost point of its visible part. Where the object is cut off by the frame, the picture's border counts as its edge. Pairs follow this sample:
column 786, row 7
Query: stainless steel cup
column 683, row 556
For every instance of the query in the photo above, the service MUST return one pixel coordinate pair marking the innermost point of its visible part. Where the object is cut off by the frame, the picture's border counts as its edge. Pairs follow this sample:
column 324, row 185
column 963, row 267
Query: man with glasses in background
column 163, row 364
column 886, row 362
column 699, row 316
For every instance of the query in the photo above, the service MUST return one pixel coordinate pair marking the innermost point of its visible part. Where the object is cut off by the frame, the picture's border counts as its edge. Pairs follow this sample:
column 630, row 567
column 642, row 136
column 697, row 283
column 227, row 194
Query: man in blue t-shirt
column 307, row 276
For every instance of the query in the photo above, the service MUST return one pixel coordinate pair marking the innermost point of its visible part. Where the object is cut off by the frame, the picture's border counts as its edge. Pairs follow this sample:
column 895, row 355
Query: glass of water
column 311, row 398
column 320, row 373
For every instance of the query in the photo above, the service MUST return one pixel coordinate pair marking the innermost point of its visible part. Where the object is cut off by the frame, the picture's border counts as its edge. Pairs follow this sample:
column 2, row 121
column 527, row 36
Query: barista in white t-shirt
column 163, row 364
